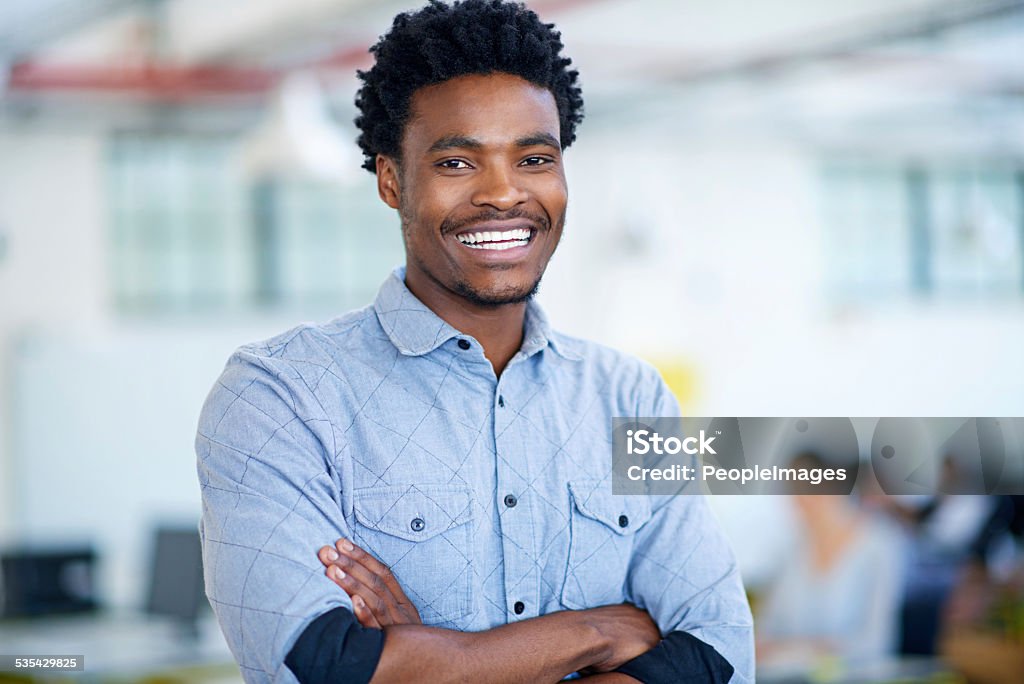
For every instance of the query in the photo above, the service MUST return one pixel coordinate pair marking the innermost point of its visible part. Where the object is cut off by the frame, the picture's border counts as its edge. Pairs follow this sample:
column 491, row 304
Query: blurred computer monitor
column 176, row 577
column 44, row 581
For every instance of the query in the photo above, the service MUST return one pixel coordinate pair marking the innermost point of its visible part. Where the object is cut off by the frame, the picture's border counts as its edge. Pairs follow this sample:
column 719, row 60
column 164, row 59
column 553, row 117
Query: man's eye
column 453, row 164
column 536, row 161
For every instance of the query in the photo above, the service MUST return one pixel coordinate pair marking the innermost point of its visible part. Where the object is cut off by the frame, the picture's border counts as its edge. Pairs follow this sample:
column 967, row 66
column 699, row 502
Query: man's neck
column 498, row 329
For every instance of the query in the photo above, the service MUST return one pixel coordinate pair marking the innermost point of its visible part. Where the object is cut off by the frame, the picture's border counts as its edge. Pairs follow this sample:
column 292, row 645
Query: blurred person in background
column 446, row 433
column 839, row 596
column 940, row 531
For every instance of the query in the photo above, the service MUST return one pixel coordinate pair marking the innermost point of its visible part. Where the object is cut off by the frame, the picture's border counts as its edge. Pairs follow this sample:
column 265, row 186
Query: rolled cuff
column 335, row 649
column 680, row 658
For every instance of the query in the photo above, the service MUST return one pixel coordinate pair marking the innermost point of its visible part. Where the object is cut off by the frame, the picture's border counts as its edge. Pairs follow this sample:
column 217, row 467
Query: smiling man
column 420, row 490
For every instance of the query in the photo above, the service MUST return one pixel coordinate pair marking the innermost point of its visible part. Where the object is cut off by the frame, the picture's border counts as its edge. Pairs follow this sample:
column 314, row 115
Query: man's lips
column 497, row 235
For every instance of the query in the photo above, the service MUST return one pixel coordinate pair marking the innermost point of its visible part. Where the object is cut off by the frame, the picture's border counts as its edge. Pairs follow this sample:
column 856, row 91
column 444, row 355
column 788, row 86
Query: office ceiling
column 830, row 61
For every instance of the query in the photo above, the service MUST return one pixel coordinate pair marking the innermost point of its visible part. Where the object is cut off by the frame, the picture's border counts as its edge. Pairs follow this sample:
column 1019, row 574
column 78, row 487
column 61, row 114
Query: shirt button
column 511, row 500
column 623, row 521
column 519, row 607
column 464, row 344
column 501, row 401
column 417, row 524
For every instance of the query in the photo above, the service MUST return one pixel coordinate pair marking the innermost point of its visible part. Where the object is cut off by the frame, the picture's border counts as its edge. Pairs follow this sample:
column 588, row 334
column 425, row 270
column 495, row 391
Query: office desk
column 122, row 648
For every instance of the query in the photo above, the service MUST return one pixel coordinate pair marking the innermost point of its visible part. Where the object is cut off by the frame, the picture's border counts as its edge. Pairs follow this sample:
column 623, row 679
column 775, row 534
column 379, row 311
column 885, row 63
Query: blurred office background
column 792, row 207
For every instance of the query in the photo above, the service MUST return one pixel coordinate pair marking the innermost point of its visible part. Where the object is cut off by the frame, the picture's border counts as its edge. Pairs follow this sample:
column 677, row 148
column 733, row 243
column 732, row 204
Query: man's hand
column 377, row 598
column 629, row 631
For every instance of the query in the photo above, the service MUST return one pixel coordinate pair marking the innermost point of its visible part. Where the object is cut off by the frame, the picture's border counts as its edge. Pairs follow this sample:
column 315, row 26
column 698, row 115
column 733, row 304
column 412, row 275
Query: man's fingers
column 358, row 573
column 363, row 614
column 327, row 555
column 371, row 580
column 362, row 591
column 380, row 570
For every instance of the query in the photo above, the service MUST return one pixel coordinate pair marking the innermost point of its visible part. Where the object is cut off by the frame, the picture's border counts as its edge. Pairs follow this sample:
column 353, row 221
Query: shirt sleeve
column 683, row 572
column 680, row 658
column 266, row 457
column 336, row 648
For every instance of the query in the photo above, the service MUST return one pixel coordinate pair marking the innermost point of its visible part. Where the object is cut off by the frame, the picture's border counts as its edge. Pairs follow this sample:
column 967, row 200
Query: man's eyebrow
column 450, row 142
column 545, row 139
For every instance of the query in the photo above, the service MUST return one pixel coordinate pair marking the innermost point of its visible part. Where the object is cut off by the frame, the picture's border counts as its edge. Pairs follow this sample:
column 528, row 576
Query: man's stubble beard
column 494, row 300
column 487, row 300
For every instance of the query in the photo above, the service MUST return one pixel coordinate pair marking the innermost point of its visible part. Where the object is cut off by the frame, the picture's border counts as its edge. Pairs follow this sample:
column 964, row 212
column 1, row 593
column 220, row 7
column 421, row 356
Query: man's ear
column 387, row 180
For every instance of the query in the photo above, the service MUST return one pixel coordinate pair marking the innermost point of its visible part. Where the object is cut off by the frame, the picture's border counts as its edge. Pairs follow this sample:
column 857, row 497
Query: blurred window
column 321, row 245
column 178, row 215
column 191, row 233
column 978, row 230
column 948, row 230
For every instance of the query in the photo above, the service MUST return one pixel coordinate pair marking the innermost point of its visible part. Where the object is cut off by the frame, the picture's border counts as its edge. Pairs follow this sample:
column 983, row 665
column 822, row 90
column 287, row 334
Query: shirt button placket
column 516, row 518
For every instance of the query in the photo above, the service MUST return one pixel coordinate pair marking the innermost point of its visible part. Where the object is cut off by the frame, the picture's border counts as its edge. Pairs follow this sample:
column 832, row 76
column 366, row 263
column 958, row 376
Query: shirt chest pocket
column 424, row 534
column 602, row 529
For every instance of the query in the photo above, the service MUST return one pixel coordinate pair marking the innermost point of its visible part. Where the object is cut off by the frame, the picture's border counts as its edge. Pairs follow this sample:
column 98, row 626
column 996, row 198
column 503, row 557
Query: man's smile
column 490, row 237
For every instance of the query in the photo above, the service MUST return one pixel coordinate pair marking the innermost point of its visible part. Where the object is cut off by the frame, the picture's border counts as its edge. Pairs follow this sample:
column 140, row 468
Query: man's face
column 481, row 190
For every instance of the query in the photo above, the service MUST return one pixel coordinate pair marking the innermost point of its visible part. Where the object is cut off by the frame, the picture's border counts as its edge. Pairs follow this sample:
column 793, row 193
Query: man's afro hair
column 441, row 42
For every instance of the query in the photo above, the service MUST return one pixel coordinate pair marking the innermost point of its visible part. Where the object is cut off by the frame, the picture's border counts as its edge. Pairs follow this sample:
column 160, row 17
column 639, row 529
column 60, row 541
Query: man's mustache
column 449, row 226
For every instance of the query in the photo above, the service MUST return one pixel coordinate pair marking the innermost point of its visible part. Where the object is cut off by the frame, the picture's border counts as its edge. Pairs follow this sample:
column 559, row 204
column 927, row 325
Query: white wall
column 52, row 275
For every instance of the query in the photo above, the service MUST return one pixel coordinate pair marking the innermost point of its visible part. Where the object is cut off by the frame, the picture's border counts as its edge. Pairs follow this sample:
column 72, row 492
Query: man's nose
column 499, row 188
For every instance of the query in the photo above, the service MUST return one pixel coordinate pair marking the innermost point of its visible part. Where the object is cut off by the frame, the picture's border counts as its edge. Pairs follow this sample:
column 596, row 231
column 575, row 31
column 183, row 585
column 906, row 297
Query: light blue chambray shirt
column 388, row 426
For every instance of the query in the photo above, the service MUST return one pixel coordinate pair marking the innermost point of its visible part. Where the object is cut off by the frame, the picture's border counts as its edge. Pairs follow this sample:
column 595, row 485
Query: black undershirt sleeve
column 334, row 648
column 680, row 658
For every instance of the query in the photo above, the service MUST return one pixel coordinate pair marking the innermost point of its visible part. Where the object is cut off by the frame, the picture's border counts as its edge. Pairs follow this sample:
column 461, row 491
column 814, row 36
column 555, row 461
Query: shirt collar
column 415, row 330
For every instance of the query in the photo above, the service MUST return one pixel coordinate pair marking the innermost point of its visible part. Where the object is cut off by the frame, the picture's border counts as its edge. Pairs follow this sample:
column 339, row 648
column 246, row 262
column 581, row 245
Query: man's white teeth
column 506, row 239
column 498, row 245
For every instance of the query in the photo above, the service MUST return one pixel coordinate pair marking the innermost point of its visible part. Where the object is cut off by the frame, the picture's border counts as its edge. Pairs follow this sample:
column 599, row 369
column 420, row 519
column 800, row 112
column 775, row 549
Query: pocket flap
column 413, row 512
column 624, row 514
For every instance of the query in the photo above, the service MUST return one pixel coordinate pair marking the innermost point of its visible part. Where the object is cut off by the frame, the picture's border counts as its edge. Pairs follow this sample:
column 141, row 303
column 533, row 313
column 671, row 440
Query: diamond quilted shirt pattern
column 490, row 498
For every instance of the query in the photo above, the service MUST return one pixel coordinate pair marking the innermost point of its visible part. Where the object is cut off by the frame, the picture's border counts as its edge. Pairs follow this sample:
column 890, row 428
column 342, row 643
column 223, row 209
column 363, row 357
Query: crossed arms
column 271, row 466
column 547, row 648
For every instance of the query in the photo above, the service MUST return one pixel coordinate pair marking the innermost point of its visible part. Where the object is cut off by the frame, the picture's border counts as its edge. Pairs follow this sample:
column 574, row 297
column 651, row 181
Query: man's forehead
column 493, row 109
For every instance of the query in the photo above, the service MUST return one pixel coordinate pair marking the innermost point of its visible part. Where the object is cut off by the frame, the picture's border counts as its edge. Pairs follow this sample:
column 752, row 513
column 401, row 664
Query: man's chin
column 493, row 298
